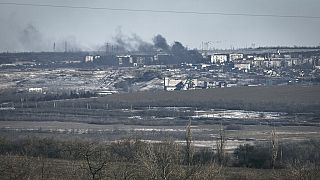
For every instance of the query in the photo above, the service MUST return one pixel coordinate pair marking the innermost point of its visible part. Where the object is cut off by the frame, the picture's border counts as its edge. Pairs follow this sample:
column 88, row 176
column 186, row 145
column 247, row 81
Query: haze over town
column 24, row 29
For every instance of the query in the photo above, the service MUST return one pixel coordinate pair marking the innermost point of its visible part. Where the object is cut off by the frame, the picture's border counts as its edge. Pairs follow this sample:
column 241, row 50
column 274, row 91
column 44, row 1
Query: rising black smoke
column 19, row 37
column 31, row 39
column 124, row 42
column 160, row 42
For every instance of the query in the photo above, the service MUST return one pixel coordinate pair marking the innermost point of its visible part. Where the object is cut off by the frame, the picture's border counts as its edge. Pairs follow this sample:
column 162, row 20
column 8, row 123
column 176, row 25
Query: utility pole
column 65, row 46
column 107, row 48
column 205, row 47
column 202, row 47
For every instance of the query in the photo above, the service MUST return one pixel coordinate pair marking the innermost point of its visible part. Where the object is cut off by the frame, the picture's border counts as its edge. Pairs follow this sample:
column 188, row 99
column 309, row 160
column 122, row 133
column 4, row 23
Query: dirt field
column 273, row 98
column 249, row 116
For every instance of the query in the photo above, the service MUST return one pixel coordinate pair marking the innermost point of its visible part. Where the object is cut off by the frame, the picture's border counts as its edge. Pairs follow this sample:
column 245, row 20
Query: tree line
column 38, row 158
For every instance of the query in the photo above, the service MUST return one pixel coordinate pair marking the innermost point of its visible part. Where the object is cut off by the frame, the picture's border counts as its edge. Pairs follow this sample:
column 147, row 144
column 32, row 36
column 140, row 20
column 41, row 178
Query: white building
column 35, row 90
column 171, row 84
column 275, row 63
column 219, row 58
column 89, row 58
column 242, row 66
column 258, row 58
column 235, row 56
column 106, row 92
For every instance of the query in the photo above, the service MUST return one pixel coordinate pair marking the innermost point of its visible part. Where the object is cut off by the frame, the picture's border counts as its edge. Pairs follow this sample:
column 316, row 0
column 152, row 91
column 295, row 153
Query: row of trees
column 137, row 159
column 128, row 159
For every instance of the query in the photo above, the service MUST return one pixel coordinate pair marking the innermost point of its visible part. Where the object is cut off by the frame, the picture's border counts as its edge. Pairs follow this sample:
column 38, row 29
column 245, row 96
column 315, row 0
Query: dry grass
column 274, row 98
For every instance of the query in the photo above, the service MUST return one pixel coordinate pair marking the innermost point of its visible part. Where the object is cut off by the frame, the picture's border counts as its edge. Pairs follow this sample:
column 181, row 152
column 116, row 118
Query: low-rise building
column 219, row 58
column 242, row 65
column 106, row 92
column 35, row 90
column 235, row 56
column 123, row 60
column 171, row 84
column 91, row 58
column 135, row 60
column 88, row 59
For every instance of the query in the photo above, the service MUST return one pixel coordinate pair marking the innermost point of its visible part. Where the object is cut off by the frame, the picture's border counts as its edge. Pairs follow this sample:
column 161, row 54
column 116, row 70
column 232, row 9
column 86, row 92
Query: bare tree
column 159, row 161
column 189, row 149
column 192, row 169
column 147, row 160
column 274, row 147
column 15, row 167
column 96, row 159
column 209, row 172
column 221, row 146
column 303, row 170
column 124, row 171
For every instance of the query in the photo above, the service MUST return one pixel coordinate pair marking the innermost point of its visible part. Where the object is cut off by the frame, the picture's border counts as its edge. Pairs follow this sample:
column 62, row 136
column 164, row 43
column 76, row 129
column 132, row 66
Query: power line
column 161, row 11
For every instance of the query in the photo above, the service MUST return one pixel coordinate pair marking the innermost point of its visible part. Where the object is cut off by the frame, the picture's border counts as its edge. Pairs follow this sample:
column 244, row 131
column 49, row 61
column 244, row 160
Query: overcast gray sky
column 27, row 28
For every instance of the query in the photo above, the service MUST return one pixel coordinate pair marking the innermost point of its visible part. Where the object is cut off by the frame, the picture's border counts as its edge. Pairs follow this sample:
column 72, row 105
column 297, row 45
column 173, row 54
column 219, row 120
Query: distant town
column 160, row 67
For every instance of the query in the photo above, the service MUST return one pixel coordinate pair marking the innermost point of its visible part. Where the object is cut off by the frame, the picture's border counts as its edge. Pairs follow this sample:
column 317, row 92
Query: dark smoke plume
column 121, row 41
column 178, row 48
column 31, row 39
column 131, row 43
column 141, row 45
column 160, row 42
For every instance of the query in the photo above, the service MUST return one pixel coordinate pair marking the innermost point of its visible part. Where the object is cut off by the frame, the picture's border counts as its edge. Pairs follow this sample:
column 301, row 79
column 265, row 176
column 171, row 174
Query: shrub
column 258, row 156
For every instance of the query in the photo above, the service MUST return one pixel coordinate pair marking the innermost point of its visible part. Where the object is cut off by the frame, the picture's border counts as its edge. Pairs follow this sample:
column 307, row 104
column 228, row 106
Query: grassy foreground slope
column 273, row 98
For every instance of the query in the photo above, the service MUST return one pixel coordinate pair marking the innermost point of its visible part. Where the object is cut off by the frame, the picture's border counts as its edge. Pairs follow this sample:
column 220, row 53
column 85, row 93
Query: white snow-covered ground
column 238, row 114
column 65, row 79
column 229, row 144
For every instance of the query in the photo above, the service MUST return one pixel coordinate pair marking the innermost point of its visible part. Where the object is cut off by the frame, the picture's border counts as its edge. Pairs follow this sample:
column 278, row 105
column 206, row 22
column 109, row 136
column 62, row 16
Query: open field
column 273, row 98
column 203, row 135
column 249, row 115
